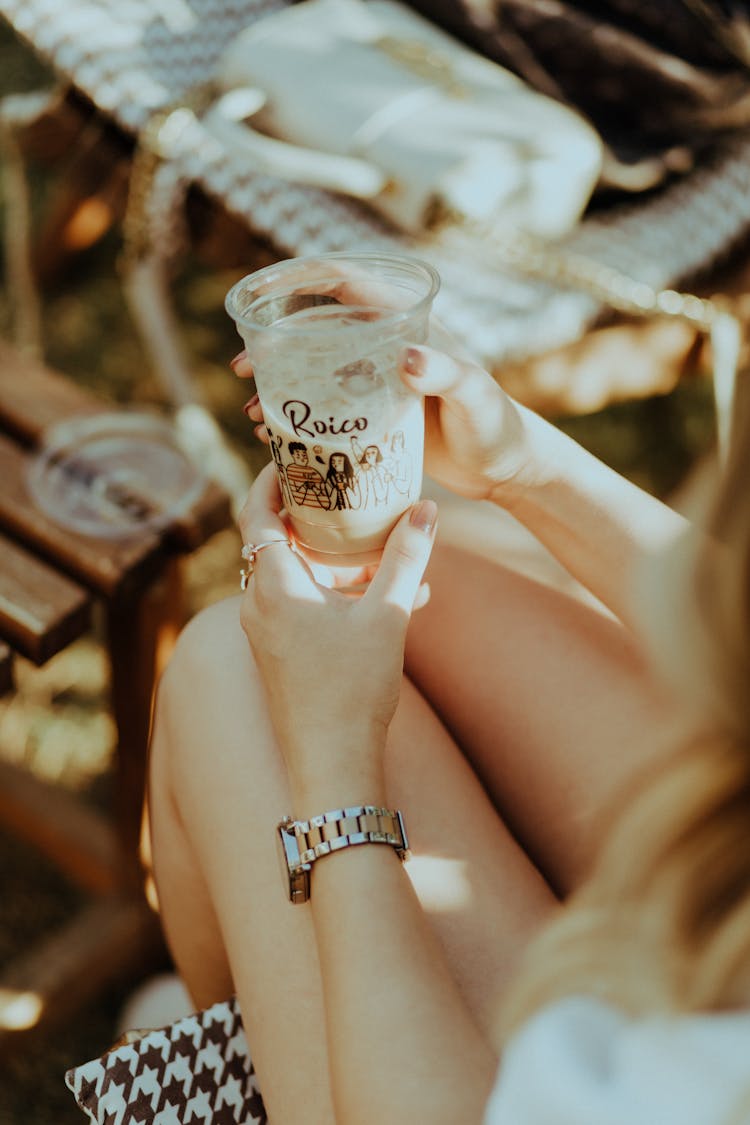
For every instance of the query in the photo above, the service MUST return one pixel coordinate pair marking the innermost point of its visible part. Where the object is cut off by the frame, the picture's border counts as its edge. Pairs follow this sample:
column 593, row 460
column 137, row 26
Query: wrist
column 538, row 456
column 337, row 770
column 305, row 840
column 315, row 797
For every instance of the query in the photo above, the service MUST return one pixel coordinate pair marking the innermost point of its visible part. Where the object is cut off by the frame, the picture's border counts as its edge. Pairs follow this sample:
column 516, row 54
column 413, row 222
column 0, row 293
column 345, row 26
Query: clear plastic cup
column 324, row 335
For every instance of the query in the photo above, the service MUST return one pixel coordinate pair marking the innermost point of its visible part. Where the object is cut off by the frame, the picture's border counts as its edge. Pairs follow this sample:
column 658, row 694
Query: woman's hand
column 476, row 437
column 331, row 664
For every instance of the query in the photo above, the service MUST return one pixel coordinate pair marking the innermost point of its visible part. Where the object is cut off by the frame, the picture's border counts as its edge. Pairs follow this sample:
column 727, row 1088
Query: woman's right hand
column 476, row 437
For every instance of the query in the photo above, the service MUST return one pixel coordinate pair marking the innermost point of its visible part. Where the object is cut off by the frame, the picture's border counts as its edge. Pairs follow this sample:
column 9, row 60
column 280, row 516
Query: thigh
column 548, row 696
column 214, row 749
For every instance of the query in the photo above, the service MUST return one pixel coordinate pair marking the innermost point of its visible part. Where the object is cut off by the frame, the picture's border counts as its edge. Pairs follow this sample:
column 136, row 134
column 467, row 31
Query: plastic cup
column 324, row 336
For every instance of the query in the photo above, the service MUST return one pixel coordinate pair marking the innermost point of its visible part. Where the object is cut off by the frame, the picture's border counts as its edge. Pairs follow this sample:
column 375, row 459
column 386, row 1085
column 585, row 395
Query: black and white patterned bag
column 195, row 1071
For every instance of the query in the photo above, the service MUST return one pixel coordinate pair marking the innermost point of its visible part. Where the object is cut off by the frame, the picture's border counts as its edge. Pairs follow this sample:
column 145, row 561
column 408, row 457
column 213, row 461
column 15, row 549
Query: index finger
column 260, row 522
column 260, row 516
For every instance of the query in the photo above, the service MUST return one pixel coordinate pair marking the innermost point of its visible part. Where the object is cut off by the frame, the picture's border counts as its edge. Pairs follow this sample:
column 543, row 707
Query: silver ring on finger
column 250, row 552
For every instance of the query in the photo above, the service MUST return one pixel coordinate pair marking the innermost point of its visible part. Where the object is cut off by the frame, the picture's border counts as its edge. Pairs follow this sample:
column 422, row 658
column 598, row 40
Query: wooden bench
column 50, row 581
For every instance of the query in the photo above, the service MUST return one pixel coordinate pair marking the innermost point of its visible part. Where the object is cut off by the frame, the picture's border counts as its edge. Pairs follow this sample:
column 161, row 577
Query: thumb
column 405, row 557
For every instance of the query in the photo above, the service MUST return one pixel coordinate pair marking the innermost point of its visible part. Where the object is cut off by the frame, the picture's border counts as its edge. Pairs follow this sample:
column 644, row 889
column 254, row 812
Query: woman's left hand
column 331, row 664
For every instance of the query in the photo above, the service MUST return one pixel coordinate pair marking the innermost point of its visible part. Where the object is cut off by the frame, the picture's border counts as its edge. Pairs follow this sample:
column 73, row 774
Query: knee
column 211, row 735
column 211, row 640
column 207, row 669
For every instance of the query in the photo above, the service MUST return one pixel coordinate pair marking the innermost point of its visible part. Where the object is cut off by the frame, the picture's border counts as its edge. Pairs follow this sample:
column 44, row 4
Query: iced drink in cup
column 324, row 336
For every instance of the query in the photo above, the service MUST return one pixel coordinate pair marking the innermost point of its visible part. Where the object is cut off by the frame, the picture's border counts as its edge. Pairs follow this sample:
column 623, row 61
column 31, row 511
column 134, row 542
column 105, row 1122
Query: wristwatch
column 301, row 842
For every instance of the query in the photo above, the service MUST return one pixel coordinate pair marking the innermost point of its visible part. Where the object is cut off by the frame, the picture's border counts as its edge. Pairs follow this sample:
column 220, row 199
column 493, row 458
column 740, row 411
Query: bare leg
column 551, row 704
column 547, row 696
column 217, row 791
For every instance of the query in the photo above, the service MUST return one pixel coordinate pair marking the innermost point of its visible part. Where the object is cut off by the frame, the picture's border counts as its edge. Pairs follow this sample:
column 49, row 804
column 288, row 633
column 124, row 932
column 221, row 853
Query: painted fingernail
column 238, row 358
column 424, row 516
column 251, row 402
column 413, row 360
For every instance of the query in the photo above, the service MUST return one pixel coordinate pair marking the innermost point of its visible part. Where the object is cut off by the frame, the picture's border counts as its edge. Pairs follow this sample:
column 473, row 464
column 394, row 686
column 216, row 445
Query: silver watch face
column 296, row 875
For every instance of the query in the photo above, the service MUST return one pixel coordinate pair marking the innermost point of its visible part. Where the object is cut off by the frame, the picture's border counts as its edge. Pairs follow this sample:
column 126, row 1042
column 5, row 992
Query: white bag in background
column 373, row 100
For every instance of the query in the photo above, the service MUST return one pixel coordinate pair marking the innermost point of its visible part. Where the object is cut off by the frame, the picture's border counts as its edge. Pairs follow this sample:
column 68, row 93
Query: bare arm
column 482, row 444
column 600, row 526
column 401, row 1041
column 403, row 1045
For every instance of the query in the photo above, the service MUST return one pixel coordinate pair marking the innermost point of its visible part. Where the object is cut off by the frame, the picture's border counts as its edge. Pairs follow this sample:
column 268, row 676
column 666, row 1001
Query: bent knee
column 207, row 671
column 210, row 714
column 211, row 641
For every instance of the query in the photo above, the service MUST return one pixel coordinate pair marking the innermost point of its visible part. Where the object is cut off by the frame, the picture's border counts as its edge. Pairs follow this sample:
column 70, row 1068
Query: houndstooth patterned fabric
column 133, row 56
column 196, row 1071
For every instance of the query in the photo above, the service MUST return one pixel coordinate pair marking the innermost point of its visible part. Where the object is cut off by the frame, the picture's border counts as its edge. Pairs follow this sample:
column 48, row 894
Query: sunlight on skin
column 442, row 884
column 352, row 581
column 19, row 1010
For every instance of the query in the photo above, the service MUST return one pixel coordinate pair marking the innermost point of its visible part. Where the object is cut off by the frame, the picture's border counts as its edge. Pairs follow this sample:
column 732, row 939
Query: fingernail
column 413, row 360
column 251, row 402
column 424, row 516
column 240, row 356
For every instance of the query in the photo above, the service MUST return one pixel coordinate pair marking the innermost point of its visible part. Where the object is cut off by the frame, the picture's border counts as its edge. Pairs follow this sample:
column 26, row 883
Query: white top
column 583, row 1062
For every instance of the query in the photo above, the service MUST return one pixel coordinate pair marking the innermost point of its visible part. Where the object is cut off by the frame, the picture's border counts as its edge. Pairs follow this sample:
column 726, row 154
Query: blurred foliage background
column 58, row 724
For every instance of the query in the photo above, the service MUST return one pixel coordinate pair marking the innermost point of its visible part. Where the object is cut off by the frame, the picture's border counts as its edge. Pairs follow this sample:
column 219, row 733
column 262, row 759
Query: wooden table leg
column 141, row 633
column 6, row 669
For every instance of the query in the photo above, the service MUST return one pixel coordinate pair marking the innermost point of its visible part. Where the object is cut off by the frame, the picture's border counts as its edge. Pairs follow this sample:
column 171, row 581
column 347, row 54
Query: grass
column 58, row 724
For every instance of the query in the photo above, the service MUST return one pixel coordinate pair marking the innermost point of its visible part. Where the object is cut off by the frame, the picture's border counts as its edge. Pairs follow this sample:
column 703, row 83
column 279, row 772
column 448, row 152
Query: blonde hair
column 664, row 921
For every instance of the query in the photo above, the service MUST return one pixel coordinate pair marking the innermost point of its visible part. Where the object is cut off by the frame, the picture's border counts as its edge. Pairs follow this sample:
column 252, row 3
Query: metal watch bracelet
column 304, row 841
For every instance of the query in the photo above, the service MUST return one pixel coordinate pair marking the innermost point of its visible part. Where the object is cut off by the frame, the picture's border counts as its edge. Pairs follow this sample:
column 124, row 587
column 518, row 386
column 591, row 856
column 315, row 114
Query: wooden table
column 50, row 581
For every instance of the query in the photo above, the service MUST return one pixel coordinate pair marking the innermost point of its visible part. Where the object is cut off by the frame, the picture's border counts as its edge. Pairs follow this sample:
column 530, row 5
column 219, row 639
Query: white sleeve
column 582, row 1062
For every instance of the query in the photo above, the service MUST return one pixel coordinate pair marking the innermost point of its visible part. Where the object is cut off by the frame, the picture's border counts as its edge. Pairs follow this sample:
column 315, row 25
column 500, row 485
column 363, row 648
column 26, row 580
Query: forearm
column 402, row 1043
column 599, row 525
